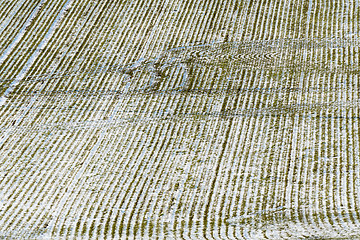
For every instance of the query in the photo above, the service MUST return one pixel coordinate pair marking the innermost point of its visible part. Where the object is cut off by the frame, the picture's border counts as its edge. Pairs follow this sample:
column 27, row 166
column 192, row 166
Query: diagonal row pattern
column 179, row 119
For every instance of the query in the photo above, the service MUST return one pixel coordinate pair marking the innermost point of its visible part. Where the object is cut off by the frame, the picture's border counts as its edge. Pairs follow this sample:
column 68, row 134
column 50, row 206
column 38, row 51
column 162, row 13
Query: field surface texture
column 157, row 119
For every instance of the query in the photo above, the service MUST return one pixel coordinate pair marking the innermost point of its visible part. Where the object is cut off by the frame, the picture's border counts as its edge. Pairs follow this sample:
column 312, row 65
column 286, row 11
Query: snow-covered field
column 215, row 119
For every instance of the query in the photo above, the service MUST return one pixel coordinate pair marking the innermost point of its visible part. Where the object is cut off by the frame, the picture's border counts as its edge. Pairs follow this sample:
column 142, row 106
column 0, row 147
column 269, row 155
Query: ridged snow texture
column 231, row 119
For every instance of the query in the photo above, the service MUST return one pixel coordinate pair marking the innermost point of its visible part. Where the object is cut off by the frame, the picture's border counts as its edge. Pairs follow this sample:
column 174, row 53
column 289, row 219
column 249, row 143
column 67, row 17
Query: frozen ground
column 231, row 119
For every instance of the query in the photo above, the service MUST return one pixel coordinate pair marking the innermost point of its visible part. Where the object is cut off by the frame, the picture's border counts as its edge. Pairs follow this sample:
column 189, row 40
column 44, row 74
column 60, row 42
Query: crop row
column 179, row 119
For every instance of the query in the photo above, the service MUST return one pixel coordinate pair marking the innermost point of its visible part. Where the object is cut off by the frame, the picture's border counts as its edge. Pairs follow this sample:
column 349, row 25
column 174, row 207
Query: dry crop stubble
column 179, row 119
